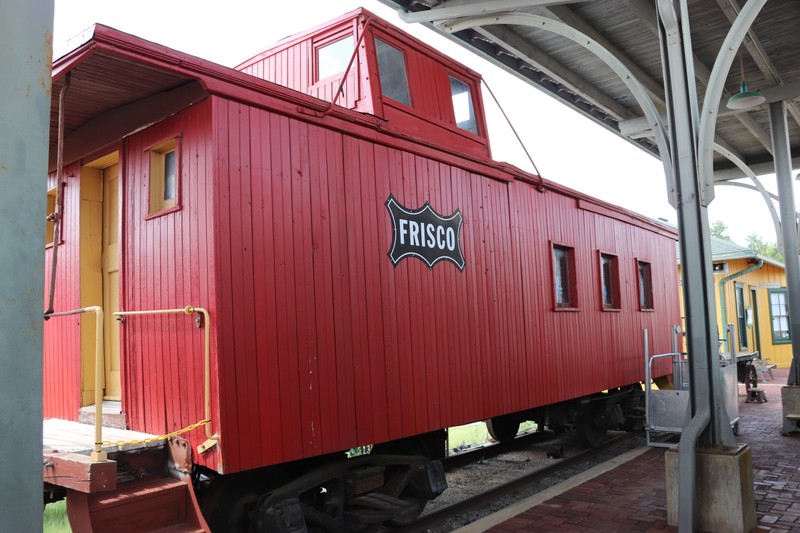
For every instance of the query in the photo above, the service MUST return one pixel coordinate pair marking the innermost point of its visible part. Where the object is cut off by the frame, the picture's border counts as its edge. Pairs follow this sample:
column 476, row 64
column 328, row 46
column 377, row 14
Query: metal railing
column 212, row 439
column 97, row 454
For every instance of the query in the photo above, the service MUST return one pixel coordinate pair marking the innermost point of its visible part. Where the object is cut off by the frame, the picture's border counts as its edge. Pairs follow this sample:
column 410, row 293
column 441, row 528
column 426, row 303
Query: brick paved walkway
column 632, row 496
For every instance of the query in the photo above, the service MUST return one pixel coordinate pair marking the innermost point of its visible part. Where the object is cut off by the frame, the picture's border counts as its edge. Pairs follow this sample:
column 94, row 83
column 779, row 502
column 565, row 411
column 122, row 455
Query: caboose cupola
column 361, row 62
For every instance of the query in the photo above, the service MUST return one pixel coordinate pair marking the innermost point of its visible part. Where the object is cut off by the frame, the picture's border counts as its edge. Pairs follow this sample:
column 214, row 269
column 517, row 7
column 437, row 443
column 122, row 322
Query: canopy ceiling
column 628, row 30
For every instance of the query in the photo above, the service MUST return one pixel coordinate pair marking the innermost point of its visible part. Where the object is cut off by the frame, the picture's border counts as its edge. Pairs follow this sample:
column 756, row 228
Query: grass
column 55, row 518
column 467, row 435
column 474, row 434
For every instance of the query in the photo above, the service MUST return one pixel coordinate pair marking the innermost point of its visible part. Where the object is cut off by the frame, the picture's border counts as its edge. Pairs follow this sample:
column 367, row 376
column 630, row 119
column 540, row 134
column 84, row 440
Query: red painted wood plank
column 373, row 257
column 288, row 364
column 357, row 292
column 304, row 288
column 222, row 259
column 265, row 290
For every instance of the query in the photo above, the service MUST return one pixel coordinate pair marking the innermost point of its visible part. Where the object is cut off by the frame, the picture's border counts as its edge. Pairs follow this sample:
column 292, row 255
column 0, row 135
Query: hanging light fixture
column 745, row 98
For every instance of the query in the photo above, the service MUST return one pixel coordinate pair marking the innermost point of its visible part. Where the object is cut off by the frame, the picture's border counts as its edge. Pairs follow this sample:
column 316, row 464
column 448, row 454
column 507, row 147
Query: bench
column 764, row 367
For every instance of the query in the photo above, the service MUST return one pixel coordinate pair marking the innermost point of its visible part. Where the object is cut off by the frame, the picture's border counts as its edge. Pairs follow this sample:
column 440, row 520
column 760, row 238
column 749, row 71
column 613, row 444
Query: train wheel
column 430, row 446
column 590, row 432
column 503, row 428
column 416, row 506
column 229, row 499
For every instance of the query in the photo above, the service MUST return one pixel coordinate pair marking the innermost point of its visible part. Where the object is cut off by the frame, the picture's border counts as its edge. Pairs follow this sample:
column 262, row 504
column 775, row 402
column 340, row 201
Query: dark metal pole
column 26, row 30
column 783, row 170
column 695, row 240
column 709, row 426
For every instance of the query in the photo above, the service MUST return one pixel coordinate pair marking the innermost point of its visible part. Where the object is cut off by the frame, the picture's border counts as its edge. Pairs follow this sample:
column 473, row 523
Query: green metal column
column 26, row 30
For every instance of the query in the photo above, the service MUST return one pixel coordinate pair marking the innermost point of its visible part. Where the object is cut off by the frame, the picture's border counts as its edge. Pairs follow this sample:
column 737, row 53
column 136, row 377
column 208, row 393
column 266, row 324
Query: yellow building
column 750, row 293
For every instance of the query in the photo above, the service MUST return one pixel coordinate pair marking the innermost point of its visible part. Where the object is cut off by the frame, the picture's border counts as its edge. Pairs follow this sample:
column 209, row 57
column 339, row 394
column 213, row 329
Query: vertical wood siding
column 319, row 343
column 325, row 345
column 62, row 335
column 293, row 66
column 168, row 263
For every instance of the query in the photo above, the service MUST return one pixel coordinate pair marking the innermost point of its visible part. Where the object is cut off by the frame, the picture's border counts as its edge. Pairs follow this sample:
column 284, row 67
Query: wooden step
column 146, row 506
column 180, row 528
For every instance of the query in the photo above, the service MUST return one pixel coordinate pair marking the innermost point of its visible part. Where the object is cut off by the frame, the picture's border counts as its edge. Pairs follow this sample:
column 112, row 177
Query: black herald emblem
column 425, row 234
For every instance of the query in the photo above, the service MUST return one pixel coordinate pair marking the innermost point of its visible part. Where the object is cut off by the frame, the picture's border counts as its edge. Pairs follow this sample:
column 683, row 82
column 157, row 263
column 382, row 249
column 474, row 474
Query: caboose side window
column 392, row 72
column 645, row 286
column 332, row 58
column 164, row 176
column 609, row 281
column 564, row 277
column 462, row 105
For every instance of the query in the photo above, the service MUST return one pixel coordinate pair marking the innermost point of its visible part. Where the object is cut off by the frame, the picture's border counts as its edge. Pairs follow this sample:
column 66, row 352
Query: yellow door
column 111, row 281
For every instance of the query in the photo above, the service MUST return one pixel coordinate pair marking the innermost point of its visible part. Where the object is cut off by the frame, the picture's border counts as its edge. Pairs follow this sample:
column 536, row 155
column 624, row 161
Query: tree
column 720, row 230
column 768, row 249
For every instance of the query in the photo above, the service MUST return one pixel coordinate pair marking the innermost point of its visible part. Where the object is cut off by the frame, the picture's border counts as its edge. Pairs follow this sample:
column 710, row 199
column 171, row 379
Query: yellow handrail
column 99, row 373
column 211, row 438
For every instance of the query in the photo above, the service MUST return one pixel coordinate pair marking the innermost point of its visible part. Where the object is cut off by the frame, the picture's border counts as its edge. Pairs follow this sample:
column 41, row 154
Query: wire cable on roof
column 524, row 149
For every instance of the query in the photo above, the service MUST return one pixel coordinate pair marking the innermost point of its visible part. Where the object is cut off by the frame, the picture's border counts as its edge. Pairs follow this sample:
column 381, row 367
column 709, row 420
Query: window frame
column 785, row 292
column 328, row 40
column 644, row 287
column 572, row 278
column 451, row 77
column 391, row 43
column 158, row 206
column 616, row 304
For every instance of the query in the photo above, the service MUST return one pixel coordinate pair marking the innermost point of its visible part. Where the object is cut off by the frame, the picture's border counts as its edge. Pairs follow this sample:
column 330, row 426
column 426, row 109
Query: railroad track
column 518, row 485
column 473, row 455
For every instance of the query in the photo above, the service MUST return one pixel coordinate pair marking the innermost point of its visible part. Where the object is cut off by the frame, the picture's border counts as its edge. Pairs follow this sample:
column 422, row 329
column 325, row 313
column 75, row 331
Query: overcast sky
column 566, row 147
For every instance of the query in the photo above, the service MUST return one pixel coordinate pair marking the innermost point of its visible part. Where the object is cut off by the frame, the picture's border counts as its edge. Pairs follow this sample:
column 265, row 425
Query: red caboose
column 364, row 272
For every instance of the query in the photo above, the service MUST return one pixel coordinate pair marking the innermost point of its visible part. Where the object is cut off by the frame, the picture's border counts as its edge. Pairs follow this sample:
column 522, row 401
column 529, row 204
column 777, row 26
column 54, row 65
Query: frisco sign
column 425, row 234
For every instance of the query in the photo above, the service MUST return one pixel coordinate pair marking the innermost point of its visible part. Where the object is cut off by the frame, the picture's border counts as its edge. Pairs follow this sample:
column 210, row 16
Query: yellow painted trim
column 91, row 276
column 90, row 264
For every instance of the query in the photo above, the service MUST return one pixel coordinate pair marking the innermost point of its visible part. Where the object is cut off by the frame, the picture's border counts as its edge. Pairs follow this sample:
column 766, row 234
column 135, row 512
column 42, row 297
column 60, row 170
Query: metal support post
column 695, row 240
column 783, row 170
column 709, row 426
column 26, row 30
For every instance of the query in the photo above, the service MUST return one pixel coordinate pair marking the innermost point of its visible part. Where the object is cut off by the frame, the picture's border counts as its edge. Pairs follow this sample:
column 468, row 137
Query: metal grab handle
column 99, row 373
column 212, row 438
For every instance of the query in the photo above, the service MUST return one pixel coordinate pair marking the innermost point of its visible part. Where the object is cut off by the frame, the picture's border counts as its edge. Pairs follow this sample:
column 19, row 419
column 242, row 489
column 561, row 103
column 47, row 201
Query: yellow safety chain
column 148, row 440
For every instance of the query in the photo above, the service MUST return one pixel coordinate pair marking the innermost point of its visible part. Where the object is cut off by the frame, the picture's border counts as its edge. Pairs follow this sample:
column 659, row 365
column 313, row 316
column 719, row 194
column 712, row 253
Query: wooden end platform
column 67, row 436
column 100, row 498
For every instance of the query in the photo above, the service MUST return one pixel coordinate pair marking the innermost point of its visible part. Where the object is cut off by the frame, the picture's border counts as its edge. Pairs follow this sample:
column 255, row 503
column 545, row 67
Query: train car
column 311, row 254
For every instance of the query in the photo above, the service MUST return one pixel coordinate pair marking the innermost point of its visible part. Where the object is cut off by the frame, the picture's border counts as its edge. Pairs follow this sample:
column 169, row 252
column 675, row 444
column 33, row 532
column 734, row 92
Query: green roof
column 722, row 250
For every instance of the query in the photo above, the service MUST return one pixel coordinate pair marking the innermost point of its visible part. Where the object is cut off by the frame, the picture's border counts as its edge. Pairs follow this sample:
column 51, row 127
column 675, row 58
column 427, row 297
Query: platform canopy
column 511, row 34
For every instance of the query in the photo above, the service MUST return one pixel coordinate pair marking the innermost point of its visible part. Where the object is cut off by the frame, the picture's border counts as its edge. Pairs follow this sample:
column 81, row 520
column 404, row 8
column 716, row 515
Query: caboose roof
column 120, row 84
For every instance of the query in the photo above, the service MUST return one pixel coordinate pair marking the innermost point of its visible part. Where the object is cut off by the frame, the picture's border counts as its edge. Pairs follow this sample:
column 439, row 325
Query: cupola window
column 462, row 105
column 392, row 71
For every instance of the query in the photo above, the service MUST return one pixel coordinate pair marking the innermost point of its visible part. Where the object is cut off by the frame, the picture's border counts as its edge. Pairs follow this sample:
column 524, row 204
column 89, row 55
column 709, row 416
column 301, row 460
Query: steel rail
column 494, row 493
